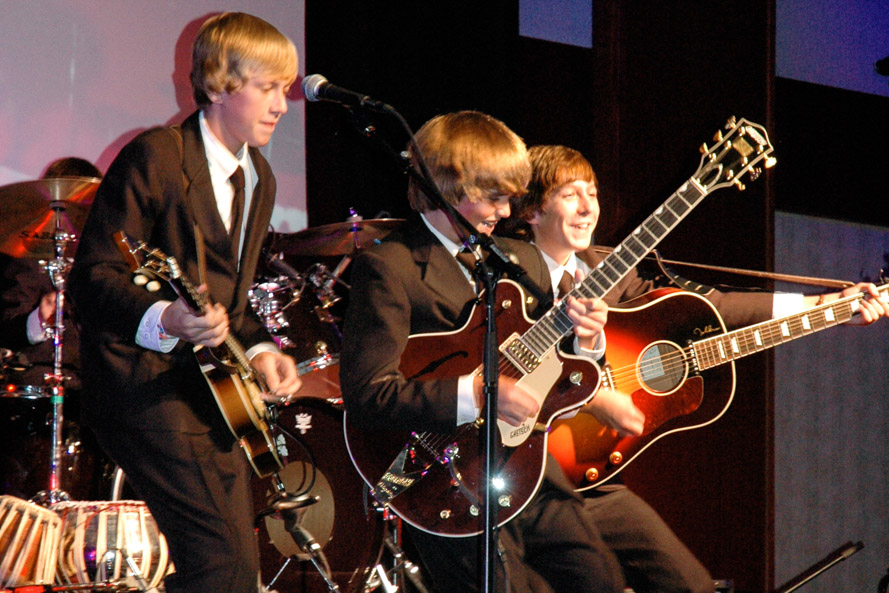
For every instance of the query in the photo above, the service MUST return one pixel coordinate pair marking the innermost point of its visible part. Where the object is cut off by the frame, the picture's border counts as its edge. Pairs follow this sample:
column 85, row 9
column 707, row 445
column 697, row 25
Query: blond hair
column 233, row 46
column 470, row 154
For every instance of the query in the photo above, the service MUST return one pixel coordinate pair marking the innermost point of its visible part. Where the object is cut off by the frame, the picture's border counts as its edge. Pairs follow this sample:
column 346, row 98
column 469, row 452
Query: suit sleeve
column 376, row 332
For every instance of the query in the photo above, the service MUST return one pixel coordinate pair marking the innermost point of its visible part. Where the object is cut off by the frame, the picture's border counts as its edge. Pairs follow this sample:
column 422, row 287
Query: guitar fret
column 660, row 230
column 714, row 351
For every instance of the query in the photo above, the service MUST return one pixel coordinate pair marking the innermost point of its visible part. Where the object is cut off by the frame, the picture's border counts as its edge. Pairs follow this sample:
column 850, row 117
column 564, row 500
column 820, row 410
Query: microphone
column 317, row 88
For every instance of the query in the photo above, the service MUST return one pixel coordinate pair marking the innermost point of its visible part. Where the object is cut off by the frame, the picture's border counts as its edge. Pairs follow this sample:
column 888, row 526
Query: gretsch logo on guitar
column 435, row 481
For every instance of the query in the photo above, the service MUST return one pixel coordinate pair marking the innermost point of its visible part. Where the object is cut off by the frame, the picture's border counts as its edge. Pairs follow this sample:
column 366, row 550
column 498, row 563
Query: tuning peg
column 770, row 162
column 731, row 123
column 704, row 149
column 717, row 137
column 739, row 185
column 755, row 172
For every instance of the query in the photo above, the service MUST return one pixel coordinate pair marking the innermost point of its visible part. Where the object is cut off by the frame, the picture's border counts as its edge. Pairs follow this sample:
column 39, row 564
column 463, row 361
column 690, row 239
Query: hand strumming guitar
column 280, row 375
column 514, row 404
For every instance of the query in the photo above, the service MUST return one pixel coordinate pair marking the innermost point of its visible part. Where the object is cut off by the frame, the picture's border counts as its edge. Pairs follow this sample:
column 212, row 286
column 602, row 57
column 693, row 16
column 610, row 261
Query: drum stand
column 284, row 505
column 401, row 567
column 57, row 268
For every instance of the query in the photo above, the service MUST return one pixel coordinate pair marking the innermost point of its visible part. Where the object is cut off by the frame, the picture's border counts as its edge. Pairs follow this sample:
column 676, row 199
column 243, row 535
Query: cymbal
column 33, row 210
column 339, row 238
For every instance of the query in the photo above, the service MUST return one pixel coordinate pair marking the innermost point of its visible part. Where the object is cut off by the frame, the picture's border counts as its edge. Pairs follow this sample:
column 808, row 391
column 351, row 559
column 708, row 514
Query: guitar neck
column 556, row 324
column 733, row 345
column 197, row 301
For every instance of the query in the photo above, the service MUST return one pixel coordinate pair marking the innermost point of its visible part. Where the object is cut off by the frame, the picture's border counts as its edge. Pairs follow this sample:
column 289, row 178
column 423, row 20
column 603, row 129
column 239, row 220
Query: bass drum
column 310, row 439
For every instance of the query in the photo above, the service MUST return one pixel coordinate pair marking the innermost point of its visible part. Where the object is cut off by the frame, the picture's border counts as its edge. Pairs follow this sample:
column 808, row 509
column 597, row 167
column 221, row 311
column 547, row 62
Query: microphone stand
column 484, row 278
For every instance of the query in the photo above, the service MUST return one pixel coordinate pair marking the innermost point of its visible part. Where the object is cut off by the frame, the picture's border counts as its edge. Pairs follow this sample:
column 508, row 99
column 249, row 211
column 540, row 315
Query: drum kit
column 317, row 527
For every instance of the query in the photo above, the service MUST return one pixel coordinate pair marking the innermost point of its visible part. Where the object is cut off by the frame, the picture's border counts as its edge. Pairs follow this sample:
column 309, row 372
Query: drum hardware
column 42, row 218
column 402, row 568
column 339, row 238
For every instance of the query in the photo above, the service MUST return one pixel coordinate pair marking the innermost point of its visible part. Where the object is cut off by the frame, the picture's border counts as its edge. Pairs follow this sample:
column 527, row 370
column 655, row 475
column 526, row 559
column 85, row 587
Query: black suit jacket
column 156, row 190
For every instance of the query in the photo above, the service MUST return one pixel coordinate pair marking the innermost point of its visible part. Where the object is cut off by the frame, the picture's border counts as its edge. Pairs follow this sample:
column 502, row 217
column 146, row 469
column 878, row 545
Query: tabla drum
column 29, row 543
column 100, row 539
column 310, row 438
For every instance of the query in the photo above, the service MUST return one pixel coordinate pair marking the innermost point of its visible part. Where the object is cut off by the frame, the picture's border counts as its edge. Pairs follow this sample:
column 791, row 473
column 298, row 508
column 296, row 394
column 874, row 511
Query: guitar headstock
column 738, row 152
column 150, row 265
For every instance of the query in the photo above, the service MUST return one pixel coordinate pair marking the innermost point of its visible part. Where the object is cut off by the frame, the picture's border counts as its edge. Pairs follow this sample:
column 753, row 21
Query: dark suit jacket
column 407, row 285
column 155, row 191
column 737, row 309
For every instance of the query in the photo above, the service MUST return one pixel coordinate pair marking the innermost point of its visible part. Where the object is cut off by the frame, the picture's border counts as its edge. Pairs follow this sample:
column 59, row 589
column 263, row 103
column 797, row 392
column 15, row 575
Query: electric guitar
column 235, row 385
column 434, row 481
column 665, row 352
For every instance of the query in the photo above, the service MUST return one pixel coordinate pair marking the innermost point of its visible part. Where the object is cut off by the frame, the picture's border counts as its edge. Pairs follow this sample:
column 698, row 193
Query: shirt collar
column 219, row 157
column 452, row 247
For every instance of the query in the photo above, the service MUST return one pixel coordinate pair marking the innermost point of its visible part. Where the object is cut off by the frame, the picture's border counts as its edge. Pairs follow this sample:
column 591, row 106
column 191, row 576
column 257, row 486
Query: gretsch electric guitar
column 434, row 481
column 669, row 350
column 235, row 385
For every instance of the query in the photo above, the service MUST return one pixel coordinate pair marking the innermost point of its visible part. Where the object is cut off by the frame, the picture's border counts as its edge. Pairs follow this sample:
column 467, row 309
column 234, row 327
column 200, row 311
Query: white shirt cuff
column 598, row 350
column 36, row 335
column 786, row 303
column 466, row 410
column 149, row 333
column 261, row 347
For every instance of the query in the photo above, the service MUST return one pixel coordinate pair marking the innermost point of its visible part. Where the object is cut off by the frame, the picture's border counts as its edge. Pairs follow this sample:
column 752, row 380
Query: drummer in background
column 27, row 309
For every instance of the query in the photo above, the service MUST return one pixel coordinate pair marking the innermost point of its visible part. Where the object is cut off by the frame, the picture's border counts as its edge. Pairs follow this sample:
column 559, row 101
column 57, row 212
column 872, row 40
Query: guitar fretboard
column 756, row 338
column 556, row 324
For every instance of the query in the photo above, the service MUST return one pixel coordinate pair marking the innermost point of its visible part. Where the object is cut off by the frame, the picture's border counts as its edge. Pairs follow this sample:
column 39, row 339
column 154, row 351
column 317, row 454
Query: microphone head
column 311, row 84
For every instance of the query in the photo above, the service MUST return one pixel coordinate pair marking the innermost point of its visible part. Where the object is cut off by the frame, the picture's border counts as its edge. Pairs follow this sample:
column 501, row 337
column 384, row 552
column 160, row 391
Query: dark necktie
column 565, row 284
column 467, row 258
column 237, row 180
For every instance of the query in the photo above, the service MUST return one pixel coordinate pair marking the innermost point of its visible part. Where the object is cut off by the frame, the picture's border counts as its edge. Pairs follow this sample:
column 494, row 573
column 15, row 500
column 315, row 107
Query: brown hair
column 552, row 166
column 470, row 154
column 233, row 46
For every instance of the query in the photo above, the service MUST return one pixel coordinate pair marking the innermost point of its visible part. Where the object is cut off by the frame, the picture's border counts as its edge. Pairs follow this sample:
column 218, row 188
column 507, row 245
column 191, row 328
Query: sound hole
column 662, row 367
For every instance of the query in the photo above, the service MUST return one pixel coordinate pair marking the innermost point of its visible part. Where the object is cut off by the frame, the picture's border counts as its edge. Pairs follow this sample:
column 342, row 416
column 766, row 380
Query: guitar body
column 421, row 485
column 240, row 403
column 644, row 343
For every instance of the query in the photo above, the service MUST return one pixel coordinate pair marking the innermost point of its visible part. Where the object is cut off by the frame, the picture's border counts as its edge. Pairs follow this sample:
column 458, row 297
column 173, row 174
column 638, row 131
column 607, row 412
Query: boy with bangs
column 559, row 214
column 412, row 283
column 203, row 193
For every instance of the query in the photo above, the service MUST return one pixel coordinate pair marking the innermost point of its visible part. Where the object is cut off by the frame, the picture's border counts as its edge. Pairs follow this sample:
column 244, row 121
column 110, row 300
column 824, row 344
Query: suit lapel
column 440, row 272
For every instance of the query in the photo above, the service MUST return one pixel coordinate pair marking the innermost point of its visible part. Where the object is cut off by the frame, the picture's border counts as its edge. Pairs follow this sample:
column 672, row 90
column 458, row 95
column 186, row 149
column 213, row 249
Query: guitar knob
column 591, row 474
column 153, row 286
column 615, row 458
column 140, row 280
